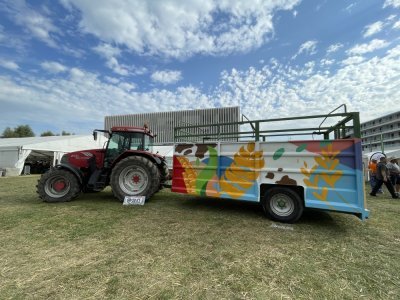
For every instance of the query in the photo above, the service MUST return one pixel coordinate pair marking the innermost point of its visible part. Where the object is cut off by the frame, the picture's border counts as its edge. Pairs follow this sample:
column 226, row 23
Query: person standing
column 394, row 170
column 372, row 174
column 382, row 177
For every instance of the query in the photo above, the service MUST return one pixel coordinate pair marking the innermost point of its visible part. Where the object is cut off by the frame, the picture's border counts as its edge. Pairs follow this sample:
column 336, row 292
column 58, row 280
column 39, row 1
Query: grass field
column 184, row 247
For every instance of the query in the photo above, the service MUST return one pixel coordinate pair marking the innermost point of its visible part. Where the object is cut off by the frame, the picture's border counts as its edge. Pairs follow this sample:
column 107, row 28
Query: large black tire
column 164, row 172
column 135, row 176
column 164, row 175
column 58, row 186
column 282, row 205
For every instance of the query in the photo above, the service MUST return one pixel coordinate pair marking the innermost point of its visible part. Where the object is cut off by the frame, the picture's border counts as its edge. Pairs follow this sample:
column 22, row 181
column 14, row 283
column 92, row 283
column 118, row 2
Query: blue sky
column 66, row 64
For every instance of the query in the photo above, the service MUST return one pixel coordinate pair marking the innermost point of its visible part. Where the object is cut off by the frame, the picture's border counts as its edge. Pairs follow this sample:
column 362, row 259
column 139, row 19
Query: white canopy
column 14, row 151
column 389, row 153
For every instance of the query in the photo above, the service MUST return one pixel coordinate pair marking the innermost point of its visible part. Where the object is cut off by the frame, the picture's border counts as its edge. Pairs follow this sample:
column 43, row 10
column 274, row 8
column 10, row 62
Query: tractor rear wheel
column 135, row 176
column 58, row 186
column 164, row 175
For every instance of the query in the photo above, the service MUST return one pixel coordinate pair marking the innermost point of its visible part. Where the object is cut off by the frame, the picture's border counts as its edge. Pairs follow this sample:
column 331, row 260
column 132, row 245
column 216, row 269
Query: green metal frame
column 348, row 126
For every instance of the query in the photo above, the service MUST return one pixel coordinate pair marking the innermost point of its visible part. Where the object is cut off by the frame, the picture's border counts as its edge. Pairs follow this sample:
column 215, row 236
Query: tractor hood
column 80, row 159
column 83, row 158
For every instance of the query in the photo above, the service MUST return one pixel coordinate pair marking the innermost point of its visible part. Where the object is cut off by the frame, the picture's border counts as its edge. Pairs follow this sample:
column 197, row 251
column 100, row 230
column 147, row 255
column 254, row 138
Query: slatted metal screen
column 163, row 123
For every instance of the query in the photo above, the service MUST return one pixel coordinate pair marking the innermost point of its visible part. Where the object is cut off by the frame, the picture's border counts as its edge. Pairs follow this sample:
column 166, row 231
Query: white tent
column 377, row 155
column 388, row 153
column 14, row 151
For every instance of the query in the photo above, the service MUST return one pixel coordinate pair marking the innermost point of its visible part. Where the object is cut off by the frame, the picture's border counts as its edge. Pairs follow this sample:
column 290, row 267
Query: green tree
column 8, row 133
column 65, row 133
column 24, row 131
column 19, row 131
column 47, row 133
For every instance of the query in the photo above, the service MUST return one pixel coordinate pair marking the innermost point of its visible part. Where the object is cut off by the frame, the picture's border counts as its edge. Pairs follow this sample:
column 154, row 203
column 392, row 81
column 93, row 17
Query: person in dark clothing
column 382, row 177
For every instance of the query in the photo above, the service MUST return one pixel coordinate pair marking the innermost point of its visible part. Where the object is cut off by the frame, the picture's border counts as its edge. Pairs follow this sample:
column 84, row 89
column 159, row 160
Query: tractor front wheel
column 135, row 176
column 58, row 186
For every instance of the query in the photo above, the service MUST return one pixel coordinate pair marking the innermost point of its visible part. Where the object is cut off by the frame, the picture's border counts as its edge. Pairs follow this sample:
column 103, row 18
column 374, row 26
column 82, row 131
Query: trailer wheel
column 135, row 176
column 282, row 205
column 58, row 186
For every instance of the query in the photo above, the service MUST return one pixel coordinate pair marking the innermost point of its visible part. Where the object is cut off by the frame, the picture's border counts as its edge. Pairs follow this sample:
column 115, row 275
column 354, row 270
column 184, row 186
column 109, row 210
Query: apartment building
column 381, row 134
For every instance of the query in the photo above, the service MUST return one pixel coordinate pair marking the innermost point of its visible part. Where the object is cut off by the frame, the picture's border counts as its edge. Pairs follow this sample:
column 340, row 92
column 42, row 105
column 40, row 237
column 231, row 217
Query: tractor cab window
column 141, row 142
column 137, row 141
column 115, row 147
column 148, row 143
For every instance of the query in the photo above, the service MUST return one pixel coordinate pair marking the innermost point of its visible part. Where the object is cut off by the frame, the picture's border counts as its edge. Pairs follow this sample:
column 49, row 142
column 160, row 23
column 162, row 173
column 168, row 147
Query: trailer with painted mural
column 284, row 176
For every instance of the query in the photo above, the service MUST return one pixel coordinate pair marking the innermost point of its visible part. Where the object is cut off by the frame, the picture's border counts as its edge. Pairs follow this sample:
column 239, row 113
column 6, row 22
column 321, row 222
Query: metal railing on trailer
column 347, row 126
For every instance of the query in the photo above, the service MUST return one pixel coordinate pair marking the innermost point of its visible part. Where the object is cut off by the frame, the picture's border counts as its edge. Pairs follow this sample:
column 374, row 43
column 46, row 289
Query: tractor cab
column 126, row 139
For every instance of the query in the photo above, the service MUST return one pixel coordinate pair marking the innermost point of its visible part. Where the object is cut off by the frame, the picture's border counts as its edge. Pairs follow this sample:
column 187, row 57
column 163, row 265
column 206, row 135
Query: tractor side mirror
column 95, row 135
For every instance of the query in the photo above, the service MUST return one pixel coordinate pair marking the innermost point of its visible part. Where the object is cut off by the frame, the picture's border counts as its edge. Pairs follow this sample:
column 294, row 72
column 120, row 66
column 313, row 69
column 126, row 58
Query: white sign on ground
column 134, row 200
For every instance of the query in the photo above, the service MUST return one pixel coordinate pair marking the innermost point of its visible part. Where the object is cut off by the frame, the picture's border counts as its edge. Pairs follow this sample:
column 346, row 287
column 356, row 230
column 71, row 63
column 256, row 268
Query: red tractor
column 126, row 164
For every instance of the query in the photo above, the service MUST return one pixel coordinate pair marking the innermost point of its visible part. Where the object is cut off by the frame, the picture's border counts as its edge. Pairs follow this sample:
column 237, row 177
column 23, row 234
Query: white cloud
column 350, row 7
column 111, row 53
column 373, row 28
column 391, row 17
column 309, row 47
column 394, row 3
column 287, row 91
column 77, row 73
column 9, row 65
column 127, row 86
column 36, row 23
column 53, row 67
column 80, row 101
column 166, row 76
column 175, row 28
column 107, row 51
column 114, row 65
column 327, row 62
column 368, row 47
column 112, row 80
column 295, row 13
column 353, row 60
column 334, row 47
column 396, row 25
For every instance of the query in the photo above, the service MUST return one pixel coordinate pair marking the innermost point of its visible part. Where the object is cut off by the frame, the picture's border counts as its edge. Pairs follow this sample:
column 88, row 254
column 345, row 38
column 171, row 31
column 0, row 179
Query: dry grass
column 184, row 247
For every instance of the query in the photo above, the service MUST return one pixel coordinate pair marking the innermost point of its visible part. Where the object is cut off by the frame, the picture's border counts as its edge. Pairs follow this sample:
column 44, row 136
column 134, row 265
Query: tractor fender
column 77, row 173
